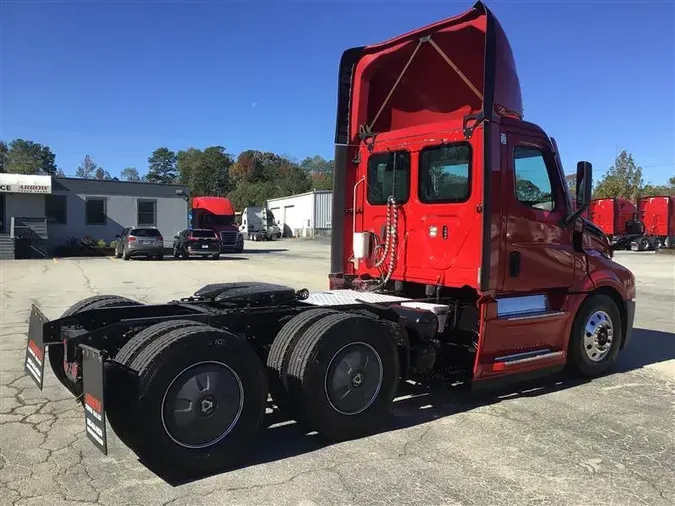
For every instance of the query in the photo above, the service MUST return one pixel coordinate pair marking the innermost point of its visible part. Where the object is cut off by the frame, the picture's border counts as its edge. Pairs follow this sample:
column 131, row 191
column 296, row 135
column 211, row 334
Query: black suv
column 196, row 242
column 140, row 241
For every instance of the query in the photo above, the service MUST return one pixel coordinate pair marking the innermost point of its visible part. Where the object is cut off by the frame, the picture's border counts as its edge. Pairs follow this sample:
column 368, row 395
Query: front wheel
column 596, row 336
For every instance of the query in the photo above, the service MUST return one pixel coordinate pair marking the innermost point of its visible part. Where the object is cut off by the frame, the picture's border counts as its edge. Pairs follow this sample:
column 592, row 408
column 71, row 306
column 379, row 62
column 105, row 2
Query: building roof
column 299, row 195
column 112, row 187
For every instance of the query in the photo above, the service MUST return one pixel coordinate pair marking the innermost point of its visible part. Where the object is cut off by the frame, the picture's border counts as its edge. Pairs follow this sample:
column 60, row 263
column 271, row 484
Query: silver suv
column 140, row 241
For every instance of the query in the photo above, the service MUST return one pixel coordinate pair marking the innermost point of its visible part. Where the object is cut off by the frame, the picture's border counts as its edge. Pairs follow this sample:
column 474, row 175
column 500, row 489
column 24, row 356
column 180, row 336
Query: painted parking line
column 113, row 259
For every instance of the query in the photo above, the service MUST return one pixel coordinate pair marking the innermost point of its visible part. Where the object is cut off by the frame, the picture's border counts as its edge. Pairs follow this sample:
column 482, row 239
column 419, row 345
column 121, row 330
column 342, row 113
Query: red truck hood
column 468, row 56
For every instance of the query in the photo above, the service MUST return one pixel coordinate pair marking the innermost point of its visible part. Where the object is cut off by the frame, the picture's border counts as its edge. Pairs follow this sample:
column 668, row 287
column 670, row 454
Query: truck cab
column 217, row 214
column 443, row 190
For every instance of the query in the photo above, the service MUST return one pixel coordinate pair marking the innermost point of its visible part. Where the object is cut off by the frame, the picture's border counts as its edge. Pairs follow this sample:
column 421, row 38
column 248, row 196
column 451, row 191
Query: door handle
column 514, row 263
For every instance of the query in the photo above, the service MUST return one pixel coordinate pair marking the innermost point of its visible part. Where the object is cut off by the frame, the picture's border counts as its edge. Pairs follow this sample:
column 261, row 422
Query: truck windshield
column 203, row 233
column 211, row 220
column 270, row 218
column 388, row 175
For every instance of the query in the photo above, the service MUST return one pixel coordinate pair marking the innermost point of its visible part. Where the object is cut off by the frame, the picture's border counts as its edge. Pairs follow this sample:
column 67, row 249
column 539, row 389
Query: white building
column 304, row 215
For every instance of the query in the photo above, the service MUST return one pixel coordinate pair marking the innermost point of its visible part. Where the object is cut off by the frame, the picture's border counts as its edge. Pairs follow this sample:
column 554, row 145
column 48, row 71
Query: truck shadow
column 418, row 404
column 646, row 347
column 263, row 251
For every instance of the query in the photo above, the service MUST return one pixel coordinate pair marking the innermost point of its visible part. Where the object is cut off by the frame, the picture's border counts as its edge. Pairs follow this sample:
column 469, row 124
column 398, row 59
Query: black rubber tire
column 56, row 353
column 132, row 348
column 126, row 255
column 216, row 257
column 118, row 255
column 121, row 390
column 165, row 358
column 175, row 253
column 309, row 363
column 577, row 360
column 282, row 347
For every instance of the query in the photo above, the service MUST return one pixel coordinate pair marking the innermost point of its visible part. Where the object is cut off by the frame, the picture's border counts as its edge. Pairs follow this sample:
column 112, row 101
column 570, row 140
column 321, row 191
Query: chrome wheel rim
column 202, row 404
column 598, row 336
column 353, row 378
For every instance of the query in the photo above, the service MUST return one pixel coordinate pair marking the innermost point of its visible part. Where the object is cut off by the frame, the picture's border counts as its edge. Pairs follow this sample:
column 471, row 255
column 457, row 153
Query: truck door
column 539, row 251
column 526, row 325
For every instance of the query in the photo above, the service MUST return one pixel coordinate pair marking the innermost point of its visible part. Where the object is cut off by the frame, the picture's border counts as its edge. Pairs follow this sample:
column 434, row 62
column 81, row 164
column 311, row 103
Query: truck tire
column 202, row 395
column 56, row 353
column 596, row 337
column 121, row 394
column 131, row 349
column 282, row 347
column 352, row 352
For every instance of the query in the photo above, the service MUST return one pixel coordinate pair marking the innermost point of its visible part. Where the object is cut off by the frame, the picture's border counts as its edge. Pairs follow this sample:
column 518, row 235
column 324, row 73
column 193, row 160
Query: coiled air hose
column 389, row 242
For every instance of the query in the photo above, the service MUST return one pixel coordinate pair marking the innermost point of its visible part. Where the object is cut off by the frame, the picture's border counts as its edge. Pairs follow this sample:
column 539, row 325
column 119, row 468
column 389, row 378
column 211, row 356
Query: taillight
column 160, row 239
column 132, row 238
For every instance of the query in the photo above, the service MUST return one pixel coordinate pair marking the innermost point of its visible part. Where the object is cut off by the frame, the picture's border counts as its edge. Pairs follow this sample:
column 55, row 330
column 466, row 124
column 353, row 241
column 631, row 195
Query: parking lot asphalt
column 607, row 441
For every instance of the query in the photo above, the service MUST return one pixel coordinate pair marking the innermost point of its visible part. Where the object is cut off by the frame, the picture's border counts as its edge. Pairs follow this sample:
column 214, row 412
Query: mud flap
column 34, row 363
column 94, row 406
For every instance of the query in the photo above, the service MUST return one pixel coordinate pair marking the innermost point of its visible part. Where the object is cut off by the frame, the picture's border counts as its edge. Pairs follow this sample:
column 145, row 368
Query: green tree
column 87, row 169
column 4, row 153
column 623, row 179
column 661, row 190
column 206, row 172
column 320, row 171
column 162, row 166
column 130, row 174
column 28, row 157
column 101, row 173
column 248, row 168
column 572, row 184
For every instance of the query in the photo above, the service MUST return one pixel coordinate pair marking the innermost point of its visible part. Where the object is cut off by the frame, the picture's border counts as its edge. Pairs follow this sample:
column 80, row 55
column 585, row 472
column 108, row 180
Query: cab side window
column 533, row 184
column 388, row 175
column 444, row 173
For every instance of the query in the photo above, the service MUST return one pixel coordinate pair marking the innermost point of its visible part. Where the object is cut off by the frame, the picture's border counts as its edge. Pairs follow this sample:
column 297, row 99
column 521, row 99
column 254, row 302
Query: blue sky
column 116, row 80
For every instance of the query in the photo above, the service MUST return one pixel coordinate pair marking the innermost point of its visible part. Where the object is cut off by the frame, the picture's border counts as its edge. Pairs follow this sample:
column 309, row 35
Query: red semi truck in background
column 657, row 214
column 457, row 252
column 217, row 214
column 650, row 225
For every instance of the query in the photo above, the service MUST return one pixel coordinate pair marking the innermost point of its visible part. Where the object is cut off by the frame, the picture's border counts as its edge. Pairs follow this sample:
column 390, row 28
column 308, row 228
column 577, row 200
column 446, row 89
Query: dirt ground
column 607, row 441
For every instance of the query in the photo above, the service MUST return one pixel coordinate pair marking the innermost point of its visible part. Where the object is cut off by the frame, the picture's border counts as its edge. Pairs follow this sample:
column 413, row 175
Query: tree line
column 254, row 176
column 625, row 179
column 248, row 179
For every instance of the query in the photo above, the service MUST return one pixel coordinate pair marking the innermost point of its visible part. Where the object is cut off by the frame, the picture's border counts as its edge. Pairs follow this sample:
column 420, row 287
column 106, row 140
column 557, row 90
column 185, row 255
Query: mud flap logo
column 95, row 422
column 34, row 364
column 94, row 407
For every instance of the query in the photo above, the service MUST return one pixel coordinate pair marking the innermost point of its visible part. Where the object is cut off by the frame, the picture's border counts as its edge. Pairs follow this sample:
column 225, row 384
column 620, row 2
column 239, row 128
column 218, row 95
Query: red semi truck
column 217, row 214
column 657, row 214
column 618, row 219
column 649, row 226
column 612, row 215
column 457, row 251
